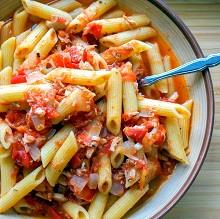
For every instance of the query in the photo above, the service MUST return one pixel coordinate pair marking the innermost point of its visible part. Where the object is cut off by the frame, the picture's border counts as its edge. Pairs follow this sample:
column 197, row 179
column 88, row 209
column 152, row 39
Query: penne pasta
column 97, row 206
column 111, row 200
column 8, row 48
column 95, row 10
column 163, row 108
column 175, row 145
column 102, row 106
column 156, row 66
column 60, row 160
column 4, row 108
column 170, row 81
column 5, row 135
column 19, row 22
column 114, row 14
column 114, row 103
column 6, row 31
column 76, row 12
column 46, row 12
column 115, row 25
column 17, row 63
column 184, row 124
column 42, row 49
column 79, row 77
column 21, row 189
column 15, row 93
column 8, row 174
column 77, row 101
column 49, row 150
column 141, row 33
column 120, row 53
column 125, row 203
column 22, row 207
column 22, row 36
column 6, row 75
column 100, row 90
column 66, row 5
column 105, row 174
column 75, row 211
column 129, row 91
column 28, row 44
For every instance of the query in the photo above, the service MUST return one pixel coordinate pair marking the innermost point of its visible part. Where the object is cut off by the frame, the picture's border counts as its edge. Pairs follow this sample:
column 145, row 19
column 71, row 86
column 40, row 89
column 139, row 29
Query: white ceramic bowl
column 200, row 86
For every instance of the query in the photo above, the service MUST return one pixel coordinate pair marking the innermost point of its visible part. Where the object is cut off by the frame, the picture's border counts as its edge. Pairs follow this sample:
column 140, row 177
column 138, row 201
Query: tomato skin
column 95, row 30
column 20, row 156
column 17, row 79
column 86, row 194
column 136, row 132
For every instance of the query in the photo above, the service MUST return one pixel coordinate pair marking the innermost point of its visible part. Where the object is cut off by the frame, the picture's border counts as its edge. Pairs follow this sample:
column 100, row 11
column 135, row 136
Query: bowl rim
column 210, row 102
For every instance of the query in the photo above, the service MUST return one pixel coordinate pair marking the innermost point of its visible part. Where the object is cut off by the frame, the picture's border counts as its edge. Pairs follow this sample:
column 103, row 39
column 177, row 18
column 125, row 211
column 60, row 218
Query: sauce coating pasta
column 76, row 132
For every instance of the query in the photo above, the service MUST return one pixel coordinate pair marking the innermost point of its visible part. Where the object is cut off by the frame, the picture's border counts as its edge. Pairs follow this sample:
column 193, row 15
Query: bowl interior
column 183, row 175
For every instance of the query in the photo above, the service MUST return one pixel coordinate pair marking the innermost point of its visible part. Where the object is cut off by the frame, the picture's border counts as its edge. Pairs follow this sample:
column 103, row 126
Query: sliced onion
column 35, row 153
column 34, row 77
column 93, row 180
column 38, row 122
column 117, row 189
column 78, row 182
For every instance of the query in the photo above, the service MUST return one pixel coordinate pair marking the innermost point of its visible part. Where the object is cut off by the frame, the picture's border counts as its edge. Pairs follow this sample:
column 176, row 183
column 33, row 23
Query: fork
column 187, row 68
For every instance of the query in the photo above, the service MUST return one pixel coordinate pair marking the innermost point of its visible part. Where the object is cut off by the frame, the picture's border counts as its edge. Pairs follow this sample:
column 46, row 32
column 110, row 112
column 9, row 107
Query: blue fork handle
column 189, row 67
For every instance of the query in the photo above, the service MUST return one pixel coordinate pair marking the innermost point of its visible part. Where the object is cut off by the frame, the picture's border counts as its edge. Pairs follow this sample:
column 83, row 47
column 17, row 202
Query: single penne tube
column 79, row 77
column 4, row 152
column 5, row 135
column 15, row 93
column 157, row 67
column 184, row 124
column 114, row 103
column 8, row 174
column 6, row 31
column 61, row 159
column 28, row 44
column 105, row 174
column 19, row 22
column 125, row 203
column 43, row 47
column 95, row 10
column 174, row 140
column 1, row 64
column 170, row 81
column 75, row 211
column 46, row 12
column 21, row 189
column 111, row 200
column 49, row 150
column 114, row 14
column 22, row 36
column 129, row 95
column 97, row 206
column 76, row 101
column 6, row 75
column 163, row 108
column 8, row 48
column 56, row 26
column 115, row 25
column 23, row 208
column 141, row 33
column 66, row 5
column 120, row 53
column 76, row 12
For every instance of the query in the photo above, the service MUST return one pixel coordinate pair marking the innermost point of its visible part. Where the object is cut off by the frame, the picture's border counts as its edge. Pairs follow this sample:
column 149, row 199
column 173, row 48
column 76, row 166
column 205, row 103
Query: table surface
column 202, row 200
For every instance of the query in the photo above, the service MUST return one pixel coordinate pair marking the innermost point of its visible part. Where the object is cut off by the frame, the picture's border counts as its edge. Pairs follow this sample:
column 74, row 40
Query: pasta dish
column 78, row 137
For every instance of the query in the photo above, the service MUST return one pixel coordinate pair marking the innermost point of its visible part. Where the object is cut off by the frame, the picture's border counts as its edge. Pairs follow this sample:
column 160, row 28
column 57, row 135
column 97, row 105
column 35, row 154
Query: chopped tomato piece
column 160, row 135
column 94, row 29
column 86, row 194
column 136, row 132
column 17, row 79
column 77, row 159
